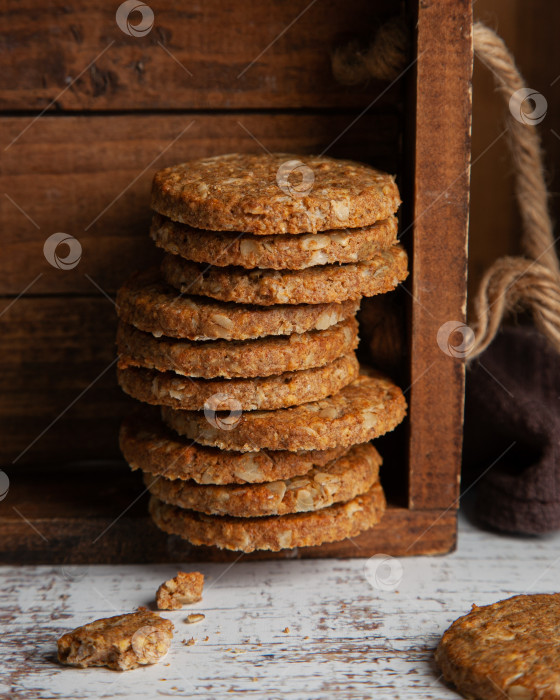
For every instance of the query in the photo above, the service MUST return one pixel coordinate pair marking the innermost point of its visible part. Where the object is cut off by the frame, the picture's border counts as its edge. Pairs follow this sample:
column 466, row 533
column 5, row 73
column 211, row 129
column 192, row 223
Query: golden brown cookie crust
column 505, row 650
column 276, row 252
column 149, row 445
column 321, row 284
column 255, row 193
column 273, row 533
column 149, row 304
column 340, row 481
column 365, row 409
column 261, row 357
column 122, row 642
column 260, row 393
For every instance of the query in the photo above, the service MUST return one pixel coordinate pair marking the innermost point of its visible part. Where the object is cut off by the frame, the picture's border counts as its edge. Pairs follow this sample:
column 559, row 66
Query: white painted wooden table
column 290, row 629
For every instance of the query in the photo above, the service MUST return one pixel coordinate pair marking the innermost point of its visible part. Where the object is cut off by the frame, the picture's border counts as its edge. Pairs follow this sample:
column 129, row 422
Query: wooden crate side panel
column 439, row 230
column 207, row 54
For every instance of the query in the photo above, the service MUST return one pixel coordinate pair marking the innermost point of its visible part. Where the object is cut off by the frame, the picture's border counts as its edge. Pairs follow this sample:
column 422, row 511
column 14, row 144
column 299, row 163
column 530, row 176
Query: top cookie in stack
column 247, row 341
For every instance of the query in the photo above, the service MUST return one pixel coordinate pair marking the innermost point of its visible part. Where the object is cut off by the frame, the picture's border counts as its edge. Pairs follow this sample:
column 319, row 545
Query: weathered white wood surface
column 346, row 638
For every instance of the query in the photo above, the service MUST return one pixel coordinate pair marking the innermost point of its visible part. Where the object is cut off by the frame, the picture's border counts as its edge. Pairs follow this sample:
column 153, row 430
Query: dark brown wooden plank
column 52, row 350
column 67, row 172
column 197, row 55
column 439, row 232
column 82, row 520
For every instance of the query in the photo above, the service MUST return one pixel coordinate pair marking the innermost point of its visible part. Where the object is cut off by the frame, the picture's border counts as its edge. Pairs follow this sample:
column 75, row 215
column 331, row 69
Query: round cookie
column 149, row 304
column 365, row 409
column 276, row 252
column 149, row 445
column 274, row 193
column 505, row 650
column 321, row 284
column 260, row 393
column 273, row 533
column 345, row 478
column 236, row 358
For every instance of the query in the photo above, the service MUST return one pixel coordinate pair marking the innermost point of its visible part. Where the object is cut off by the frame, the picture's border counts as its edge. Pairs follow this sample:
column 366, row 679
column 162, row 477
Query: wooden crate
column 78, row 156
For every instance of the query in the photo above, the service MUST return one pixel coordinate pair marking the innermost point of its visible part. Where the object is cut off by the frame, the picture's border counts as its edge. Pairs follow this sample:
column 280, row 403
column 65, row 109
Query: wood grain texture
column 57, row 356
column 439, row 232
column 198, row 55
column 100, row 515
column 90, row 177
column 344, row 637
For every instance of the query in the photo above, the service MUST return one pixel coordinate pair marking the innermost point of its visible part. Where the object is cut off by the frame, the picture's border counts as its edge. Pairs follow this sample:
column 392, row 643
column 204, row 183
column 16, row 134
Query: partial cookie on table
column 151, row 305
column 274, row 193
column 321, row 284
column 275, row 252
column 258, row 393
column 122, row 642
column 273, row 533
column 505, row 650
column 365, row 409
column 342, row 480
column 149, row 445
column 261, row 357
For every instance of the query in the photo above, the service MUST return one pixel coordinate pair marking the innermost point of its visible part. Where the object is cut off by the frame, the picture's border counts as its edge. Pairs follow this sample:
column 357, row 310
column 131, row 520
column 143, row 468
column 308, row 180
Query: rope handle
column 531, row 281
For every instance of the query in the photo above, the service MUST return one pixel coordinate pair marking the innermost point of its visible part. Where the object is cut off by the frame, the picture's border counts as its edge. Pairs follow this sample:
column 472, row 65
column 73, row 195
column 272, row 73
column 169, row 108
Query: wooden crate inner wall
column 193, row 88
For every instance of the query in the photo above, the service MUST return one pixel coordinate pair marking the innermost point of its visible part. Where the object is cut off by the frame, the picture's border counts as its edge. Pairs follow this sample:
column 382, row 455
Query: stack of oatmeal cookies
column 245, row 338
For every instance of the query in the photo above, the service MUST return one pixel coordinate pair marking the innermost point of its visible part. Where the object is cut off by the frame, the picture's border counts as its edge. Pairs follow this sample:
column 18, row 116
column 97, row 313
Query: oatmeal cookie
column 258, row 393
column 505, row 650
column 276, row 252
column 274, row 193
column 149, row 445
column 321, row 284
column 122, row 642
column 337, row 522
column 149, row 304
column 260, row 357
column 343, row 479
column 365, row 409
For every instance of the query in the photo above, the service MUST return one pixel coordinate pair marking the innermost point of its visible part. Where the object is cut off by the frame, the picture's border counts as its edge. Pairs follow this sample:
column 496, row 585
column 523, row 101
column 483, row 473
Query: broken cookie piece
column 181, row 590
column 122, row 642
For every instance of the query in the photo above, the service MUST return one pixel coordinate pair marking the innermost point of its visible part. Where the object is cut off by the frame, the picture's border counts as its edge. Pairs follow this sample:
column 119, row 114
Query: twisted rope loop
column 512, row 283
column 531, row 282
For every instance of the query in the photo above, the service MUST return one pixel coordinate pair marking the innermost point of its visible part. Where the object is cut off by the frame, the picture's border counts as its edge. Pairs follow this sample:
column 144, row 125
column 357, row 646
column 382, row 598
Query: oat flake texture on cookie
column 274, row 252
column 509, row 649
column 244, row 340
column 147, row 303
column 275, row 193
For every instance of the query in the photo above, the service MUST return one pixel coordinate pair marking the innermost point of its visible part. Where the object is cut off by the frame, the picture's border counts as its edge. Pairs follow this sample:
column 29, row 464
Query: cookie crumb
column 191, row 642
column 286, row 630
column 181, row 590
column 195, row 617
